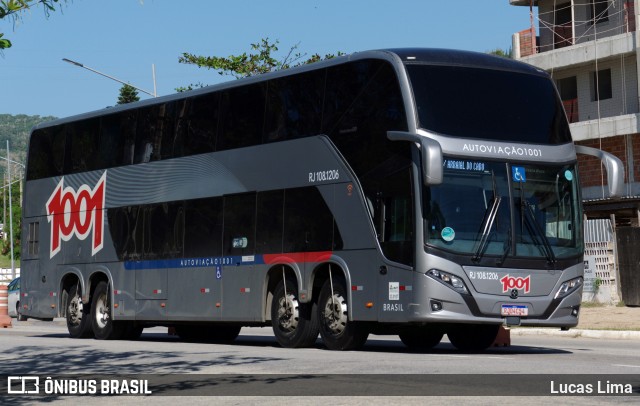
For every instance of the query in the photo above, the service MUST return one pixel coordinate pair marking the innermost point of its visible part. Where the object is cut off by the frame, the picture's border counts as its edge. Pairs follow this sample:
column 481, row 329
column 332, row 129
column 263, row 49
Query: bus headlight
column 568, row 287
column 448, row 279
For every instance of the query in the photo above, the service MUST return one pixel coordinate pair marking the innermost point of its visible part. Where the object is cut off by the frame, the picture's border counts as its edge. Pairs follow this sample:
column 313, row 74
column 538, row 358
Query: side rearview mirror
column 431, row 152
column 614, row 166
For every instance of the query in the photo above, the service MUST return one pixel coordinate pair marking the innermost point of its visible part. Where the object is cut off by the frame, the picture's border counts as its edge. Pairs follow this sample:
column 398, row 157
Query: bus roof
column 449, row 57
column 396, row 56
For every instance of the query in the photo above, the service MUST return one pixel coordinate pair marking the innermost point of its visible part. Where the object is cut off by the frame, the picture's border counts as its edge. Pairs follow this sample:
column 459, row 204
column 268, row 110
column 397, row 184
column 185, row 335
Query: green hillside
column 16, row 129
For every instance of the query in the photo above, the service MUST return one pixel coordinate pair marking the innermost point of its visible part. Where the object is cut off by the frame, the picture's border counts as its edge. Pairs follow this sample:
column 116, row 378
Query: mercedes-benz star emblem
column 514, row 294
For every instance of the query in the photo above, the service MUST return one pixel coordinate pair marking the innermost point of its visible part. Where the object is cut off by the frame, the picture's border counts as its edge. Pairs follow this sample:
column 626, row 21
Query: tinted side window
column 111, row 143
column 128, row 125
column 148, row 140
column 363, row 101
column 165, row 230
column 270, row 208
column 169, row 230
column 203, row 227
column 204, row 114
column 120, row 227
column 239, row 224
column 294, row 106
column 46, row 153
column 308, row 222
column 165, row 127
column 126, row 225
column 242, row 117
column 82, row 138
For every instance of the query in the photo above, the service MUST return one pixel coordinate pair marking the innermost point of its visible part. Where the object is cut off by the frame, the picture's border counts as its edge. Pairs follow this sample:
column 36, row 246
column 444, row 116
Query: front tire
column 77, row 314
column 295, row 324
column 421, row 338
column 102, row 323
column 473, row 337
column 337, row 331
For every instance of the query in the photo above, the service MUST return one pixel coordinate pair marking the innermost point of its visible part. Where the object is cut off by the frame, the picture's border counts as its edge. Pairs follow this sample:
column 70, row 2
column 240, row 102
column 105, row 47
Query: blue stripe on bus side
column 199, row 262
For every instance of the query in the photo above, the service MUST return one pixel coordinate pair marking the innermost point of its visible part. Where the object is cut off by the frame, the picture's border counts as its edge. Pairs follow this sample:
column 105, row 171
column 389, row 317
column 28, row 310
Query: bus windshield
column 469, row 102
column 505, row 210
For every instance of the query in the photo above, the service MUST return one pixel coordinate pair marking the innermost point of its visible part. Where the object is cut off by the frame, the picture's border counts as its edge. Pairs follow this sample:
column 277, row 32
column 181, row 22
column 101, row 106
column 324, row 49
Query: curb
column 578, row 333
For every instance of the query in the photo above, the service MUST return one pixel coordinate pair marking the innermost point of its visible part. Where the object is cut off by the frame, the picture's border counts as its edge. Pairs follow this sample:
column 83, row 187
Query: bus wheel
column 295, row 324
column 422, row 338
column 78, row 319
column 473, row 337
column 338, row 333
column 102, row 324
column 19, row 313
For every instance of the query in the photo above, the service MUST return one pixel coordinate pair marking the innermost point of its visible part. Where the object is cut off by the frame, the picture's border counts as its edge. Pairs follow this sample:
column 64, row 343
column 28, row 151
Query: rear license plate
column 514, row 310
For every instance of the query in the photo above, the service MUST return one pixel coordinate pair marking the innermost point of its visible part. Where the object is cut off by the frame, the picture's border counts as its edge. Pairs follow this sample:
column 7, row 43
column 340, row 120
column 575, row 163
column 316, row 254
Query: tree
column 13, row 8
column 501, row 52
column 262, row 60
column 5, row 247
column 128, row 94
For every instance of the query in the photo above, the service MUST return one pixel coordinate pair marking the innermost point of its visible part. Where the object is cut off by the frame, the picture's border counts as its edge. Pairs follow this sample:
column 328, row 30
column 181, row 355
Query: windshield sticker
column 568, row 175
column 448, row 234
column 461, row 165
column 519, row 175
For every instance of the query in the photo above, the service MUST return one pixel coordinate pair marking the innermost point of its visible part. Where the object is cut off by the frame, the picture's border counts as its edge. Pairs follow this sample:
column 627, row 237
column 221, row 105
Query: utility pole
column 13, row 266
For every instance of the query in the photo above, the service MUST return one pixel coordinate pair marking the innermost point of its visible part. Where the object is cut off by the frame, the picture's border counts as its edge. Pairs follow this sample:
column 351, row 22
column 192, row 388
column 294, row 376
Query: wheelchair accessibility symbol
column 519, row 175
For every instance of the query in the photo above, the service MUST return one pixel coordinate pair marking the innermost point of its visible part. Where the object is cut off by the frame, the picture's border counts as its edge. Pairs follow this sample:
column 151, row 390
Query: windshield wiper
column 536, row 231
column 485, row 227
column 506, row 249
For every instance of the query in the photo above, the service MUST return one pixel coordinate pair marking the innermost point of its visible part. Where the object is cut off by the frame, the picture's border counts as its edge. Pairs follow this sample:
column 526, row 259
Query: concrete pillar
column 515, row 45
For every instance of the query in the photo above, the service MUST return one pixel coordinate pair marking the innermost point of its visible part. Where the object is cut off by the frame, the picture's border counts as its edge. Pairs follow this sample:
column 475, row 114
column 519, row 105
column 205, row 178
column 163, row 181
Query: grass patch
column 593, row 304
column 5, row 262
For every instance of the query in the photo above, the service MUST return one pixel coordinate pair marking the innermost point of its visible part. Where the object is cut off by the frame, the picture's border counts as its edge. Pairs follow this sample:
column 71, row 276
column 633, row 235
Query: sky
column 124, row 38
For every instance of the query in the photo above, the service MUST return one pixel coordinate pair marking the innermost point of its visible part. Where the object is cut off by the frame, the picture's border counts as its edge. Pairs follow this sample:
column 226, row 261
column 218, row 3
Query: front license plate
column 515, row 310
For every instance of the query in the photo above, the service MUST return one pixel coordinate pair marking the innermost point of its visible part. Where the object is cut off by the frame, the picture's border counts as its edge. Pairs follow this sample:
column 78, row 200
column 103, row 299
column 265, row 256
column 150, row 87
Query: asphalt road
column 44, row 349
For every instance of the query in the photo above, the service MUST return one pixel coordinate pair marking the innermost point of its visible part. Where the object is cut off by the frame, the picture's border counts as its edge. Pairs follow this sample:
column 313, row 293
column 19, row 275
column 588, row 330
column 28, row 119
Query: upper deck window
column 488, row 104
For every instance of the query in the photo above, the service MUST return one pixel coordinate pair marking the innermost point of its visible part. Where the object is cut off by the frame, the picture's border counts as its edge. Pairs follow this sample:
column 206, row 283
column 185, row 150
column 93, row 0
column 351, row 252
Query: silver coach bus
column 414, row 192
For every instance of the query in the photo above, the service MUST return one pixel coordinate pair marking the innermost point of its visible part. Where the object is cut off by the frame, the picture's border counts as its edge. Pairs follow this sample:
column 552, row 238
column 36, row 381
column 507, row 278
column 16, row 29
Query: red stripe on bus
column 297, row 257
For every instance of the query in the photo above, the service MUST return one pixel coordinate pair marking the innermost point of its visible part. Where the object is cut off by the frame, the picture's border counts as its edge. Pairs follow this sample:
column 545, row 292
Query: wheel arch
column 273, row 277
column 97, row 275
column 320, row 274
column 70, row 277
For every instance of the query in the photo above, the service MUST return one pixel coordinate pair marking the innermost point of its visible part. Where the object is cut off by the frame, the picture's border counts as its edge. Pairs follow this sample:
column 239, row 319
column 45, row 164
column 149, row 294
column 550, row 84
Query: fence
column 6, row 275
column 600, row 276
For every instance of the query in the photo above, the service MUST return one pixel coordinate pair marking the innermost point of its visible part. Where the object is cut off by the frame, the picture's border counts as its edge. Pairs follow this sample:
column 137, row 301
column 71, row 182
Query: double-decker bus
column 417, row 192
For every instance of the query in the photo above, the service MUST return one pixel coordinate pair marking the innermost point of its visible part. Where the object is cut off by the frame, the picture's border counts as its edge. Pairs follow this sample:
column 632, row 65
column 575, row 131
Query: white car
column 14, row 299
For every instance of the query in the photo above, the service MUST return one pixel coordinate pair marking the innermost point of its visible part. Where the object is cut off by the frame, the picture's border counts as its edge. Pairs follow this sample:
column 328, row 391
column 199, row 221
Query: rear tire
column 421, row 338
column 19, row 315
column 473, row 337
column 337, row 331
column 77, row 314
column 295, row 324
column 102, row 323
